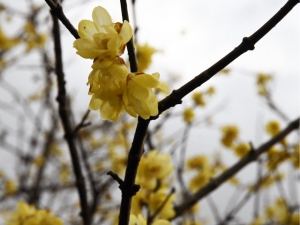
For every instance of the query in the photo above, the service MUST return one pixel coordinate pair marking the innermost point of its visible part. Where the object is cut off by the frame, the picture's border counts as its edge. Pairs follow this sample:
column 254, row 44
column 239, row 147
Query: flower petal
column 86, row 29
column 85, row 48
column 126, row 32
column 146, row 80
column 139, row 92
column 101, row 17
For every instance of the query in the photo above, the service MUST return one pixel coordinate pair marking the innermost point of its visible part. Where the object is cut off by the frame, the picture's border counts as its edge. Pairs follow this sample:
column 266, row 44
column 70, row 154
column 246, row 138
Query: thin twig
column 247, row 44
column 130, row 45
column 65, row 119
column 57, row 10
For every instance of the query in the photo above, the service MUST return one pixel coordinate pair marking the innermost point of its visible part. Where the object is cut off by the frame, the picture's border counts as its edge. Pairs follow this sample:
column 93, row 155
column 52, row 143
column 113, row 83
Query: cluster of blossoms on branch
column 113, row 88
column 28, row 215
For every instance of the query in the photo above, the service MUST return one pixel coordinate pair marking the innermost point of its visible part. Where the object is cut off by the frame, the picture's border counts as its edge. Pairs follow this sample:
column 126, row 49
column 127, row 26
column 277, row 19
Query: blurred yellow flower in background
column 29, row 215
column 230, row 133
column 144, row 56
column 188, row 115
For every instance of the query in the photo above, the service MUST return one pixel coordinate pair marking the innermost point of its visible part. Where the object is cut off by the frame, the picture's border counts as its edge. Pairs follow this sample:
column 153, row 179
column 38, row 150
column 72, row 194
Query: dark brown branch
column 82, row 122
column 216, row 182
column 130, row 45
column 57, row 10
column 116, row 177
column 128, row 188
column 65, row 119
column 247, row 44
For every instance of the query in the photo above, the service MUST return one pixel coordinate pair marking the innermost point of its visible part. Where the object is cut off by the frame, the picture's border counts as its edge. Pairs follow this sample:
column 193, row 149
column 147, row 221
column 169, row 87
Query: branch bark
column 66, row 122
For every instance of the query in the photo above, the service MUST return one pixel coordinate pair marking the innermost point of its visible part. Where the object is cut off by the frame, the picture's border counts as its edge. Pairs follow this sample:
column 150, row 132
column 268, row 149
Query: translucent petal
column 137, row 91
column 85, row 48
column 126, row 32
column 101, row 17
column 86, row 29
column 146, row 80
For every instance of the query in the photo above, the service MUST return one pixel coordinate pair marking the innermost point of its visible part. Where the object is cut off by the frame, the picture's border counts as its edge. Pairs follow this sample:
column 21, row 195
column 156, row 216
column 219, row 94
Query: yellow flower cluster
column 204, row 170
column 230, row 134
column 275, row 157
column 229, row 140
column 262, row 81
column 29, row 215
column 112, row 87
column 152, row 176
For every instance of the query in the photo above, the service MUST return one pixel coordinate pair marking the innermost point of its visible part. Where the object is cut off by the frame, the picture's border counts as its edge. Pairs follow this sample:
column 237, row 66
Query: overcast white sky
column 194, row 34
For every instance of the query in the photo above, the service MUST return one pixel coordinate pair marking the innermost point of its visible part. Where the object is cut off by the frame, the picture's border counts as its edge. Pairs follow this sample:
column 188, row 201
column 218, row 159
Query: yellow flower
column 157, row 199
column 241, row 149
column 273, row 128
column 139, row 98
column 211, row 91
column 230, row 133
column 198, row 98
column 29, row 215
column 103, row 41
column 144, row 56
column 188, row 115
column 198, row 162
column 152, row 167
column 261, row 81
column 10, row 187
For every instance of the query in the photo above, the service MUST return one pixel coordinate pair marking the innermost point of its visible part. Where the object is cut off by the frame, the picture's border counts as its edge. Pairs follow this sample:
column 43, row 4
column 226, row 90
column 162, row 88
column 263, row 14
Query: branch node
column 246, row 41
column 116, row 178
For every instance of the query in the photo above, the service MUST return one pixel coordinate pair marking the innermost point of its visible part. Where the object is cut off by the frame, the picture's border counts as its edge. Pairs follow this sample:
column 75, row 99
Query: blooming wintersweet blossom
column 103, row 40
column 139, row 98
column 144, row 56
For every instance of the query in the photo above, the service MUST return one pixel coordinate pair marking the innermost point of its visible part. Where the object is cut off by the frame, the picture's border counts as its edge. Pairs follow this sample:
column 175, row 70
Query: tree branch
column 57, row 10
column 65, row 119
column 247, row 44
column 216, row 182
column 130, row 45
